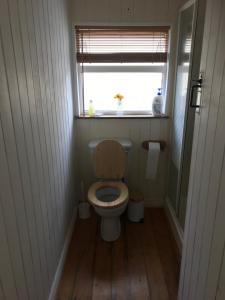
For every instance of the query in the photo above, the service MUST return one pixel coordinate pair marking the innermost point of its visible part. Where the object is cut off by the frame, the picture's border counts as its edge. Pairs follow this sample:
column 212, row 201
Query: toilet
column 109, row 195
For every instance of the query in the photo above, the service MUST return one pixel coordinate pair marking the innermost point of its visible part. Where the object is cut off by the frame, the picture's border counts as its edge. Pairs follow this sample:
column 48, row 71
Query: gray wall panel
column 36, row 132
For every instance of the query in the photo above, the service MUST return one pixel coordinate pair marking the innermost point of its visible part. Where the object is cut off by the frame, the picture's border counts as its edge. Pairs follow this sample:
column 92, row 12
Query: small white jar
column 136, row 208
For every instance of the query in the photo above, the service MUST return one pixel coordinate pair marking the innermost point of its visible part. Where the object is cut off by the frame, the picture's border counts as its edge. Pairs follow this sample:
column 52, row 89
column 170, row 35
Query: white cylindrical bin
column 84, row 210
column 136, row 207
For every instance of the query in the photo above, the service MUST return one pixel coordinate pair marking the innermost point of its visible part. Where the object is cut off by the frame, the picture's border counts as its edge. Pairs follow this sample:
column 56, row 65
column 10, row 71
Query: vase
column 119, row 108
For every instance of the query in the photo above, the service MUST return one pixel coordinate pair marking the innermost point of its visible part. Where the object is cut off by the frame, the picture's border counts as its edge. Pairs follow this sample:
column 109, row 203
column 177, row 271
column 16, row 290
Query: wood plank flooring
column 142, row 264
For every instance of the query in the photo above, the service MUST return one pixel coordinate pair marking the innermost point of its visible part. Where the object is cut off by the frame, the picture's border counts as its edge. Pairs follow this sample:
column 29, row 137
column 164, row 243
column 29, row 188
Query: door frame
column 184, row 7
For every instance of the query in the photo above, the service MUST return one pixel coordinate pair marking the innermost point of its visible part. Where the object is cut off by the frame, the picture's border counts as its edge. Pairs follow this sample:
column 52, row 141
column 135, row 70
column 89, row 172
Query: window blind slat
column 122, row 44
column 122, row 57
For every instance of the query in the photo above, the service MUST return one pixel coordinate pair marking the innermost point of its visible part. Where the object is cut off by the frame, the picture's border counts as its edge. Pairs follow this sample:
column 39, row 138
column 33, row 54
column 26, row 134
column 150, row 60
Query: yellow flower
column 119, row 97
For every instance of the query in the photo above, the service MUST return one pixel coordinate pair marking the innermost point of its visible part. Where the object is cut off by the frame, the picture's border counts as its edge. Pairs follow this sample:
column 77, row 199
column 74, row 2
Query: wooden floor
column 142, row 264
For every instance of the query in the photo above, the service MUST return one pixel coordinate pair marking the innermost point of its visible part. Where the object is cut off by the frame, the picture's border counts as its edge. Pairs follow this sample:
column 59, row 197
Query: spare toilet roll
column 152, row 160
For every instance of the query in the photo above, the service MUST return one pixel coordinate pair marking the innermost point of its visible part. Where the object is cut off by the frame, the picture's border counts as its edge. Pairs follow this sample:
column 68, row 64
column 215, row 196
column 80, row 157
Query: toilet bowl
column 109, row 200
column 109, row 195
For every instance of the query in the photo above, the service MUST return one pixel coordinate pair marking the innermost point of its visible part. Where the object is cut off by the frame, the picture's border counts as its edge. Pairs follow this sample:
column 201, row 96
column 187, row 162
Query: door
column 203, row 260
column 188, row 63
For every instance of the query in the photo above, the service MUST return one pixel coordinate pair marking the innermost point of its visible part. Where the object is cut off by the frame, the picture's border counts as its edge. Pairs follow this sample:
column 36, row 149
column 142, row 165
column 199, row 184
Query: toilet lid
column 121, row 199
column 109, row 160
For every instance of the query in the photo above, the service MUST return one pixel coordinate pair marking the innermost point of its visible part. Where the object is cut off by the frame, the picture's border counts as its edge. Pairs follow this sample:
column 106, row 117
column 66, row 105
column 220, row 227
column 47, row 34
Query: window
column 131, row 61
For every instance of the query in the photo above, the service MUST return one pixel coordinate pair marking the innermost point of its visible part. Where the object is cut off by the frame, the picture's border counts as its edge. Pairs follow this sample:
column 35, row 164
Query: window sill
column 122, row 117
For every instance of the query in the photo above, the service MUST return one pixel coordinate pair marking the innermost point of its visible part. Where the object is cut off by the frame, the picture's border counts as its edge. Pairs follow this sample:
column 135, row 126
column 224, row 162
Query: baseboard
column 175, row 226
column 59, row 269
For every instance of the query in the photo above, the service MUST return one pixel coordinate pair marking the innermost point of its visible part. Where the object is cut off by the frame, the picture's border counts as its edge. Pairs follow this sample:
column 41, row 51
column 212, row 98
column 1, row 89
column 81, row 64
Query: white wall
column 150, row 11
column 36, row 137
column 130, row 12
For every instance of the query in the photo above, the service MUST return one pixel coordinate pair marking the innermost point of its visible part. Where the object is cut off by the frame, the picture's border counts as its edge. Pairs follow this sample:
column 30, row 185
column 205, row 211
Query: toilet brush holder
column 84, row 210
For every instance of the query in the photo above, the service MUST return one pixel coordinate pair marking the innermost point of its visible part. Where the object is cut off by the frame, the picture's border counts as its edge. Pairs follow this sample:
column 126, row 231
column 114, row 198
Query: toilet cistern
column 125, row 143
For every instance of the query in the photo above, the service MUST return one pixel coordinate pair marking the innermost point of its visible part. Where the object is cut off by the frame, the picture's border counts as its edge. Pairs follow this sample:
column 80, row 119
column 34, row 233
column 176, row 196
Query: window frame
column 79, row 68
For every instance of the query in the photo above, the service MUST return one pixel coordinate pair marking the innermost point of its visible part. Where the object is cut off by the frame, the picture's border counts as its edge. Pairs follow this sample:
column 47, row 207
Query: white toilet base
column 110, row 221
column 110, row 228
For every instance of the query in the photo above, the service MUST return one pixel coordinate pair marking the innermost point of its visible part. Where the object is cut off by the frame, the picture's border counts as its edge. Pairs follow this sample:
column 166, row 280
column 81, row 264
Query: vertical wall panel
column 2, row 295
column 8, row 286
column 221, row 285
column 203, row 268
column 137, row 131
column 10, row 93
column 36, row 133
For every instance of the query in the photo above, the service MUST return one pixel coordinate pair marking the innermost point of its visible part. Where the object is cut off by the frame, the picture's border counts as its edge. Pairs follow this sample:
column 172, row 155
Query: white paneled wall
column 137, row 130
column 131, row 12
column 36, row 141
column 203, row 262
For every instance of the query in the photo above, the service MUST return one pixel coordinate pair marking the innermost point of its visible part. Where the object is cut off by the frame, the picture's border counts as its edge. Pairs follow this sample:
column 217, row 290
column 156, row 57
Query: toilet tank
column 125, row 143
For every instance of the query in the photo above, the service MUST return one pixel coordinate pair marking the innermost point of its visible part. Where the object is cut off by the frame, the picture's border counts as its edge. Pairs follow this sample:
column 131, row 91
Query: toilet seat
column 121, row 199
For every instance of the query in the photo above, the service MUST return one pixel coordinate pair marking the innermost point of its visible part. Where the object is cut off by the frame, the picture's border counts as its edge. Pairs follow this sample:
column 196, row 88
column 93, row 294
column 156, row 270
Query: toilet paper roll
column 152, row 160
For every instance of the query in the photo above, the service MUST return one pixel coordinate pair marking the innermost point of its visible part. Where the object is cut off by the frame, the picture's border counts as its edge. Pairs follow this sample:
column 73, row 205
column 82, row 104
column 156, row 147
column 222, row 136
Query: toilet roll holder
column 162, row 144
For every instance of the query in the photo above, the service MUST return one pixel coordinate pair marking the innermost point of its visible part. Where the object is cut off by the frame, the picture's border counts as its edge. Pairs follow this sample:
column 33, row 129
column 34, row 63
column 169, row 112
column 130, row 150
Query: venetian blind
column 122, row 44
